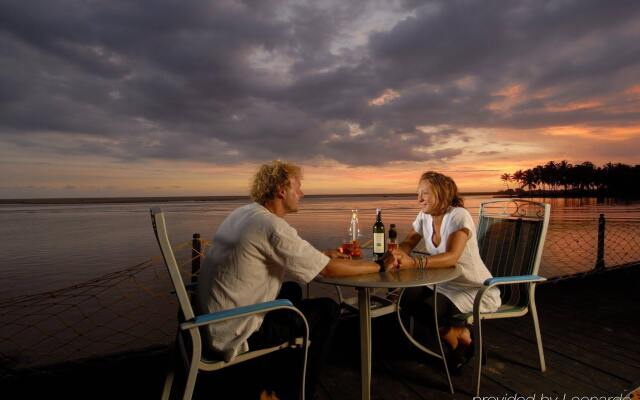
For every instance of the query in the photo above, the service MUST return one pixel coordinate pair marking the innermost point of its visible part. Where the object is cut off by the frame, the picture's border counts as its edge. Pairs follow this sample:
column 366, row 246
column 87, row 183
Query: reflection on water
column 46, row 247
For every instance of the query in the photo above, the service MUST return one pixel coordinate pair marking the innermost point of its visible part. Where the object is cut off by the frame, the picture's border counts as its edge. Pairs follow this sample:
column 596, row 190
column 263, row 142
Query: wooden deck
column 590, row 329
column 591, row 335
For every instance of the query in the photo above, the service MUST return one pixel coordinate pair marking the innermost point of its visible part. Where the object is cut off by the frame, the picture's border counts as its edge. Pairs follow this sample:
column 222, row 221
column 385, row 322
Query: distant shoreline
column 115, row 200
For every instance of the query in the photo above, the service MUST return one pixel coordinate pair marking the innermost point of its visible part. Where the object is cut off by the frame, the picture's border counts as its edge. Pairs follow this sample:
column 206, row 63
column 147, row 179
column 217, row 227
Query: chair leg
column 171, row 371
column 477, row 362
column 168, row 383
column 191, row 381
column 536, row 327
column 305, row 351
column 192, row 374
column 444, row 359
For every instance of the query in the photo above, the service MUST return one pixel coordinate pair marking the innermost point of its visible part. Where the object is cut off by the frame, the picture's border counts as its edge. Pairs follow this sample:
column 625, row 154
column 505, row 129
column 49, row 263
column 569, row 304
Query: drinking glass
column 346, row 247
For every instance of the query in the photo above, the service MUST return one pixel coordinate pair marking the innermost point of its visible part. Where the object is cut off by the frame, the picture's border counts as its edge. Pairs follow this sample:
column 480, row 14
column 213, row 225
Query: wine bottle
column 378, row 235
column 392, row 241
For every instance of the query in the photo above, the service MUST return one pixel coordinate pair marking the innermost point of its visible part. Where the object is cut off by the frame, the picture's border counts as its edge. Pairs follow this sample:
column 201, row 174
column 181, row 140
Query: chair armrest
column 508, row 280
column 502, row 280
column 219, row 316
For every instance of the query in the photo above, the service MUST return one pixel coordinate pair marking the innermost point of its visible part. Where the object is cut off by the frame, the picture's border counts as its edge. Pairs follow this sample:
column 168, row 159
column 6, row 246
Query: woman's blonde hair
column 271, row 177
column 444, row 189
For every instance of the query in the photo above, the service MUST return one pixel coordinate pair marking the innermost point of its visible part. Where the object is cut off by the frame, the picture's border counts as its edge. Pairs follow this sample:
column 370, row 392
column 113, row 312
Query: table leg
column 435, row 317
column 365, row 342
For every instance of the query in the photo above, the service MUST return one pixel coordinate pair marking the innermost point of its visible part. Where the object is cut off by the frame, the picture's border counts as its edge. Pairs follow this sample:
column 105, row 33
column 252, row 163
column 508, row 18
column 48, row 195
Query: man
column 246, row 264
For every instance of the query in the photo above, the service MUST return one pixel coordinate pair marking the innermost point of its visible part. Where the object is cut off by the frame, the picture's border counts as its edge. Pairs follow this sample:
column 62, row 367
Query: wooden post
column 196, row 251
column 600, row 258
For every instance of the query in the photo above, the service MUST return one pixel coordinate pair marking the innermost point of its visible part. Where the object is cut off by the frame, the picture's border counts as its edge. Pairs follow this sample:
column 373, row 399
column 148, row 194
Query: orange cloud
column 508, row 97
column 386, row 97
column 574, row 106
column 601, row 133
column 634, row 90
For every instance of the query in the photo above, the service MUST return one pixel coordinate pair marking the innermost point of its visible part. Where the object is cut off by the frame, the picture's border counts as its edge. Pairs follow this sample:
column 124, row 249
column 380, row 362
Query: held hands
column 401, row 259
column 390, row 261
column 396, row 259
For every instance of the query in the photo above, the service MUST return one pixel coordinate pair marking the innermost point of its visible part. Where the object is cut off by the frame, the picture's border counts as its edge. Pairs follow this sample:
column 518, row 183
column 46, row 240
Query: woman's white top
column 462, row 290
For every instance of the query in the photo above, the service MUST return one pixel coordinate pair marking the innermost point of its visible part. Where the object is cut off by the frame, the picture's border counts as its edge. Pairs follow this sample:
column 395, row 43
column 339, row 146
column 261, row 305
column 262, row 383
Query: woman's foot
column 456, row 336
column 268, row 395
column 460, row 344
column 450, row 336
column 464, row 336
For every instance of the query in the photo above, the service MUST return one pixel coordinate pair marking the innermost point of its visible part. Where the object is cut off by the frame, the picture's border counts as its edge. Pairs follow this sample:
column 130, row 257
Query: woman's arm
column 455, row 246
column 411, row 241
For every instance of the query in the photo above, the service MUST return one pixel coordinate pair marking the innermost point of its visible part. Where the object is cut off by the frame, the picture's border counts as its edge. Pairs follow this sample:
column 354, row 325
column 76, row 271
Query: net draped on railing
column 125, row 310
column 582, row 246
column 134, row 308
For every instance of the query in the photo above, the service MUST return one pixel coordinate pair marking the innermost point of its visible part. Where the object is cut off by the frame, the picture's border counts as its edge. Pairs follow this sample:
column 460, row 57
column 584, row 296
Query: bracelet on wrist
column 420, row 262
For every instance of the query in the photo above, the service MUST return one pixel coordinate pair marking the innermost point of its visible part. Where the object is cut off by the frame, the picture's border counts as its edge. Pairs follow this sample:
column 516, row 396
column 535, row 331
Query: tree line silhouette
column 612, row 180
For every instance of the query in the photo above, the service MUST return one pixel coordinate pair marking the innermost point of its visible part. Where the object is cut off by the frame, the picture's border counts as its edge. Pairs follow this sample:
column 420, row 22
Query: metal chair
column 511, row 235
column 189, row 343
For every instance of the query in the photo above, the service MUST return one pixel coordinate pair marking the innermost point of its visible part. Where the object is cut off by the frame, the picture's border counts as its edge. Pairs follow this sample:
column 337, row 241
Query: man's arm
column 347, row 267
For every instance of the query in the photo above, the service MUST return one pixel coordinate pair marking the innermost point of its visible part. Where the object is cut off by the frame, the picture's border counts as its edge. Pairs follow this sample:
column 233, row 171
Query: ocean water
column 48, row 247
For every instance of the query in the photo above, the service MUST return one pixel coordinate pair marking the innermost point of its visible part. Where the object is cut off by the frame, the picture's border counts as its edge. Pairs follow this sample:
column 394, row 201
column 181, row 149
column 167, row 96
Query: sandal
column 456, row 359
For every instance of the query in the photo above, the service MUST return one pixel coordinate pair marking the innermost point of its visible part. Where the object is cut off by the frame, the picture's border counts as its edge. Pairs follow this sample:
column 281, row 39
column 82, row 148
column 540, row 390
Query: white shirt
column 246, row 265
column 462, row 290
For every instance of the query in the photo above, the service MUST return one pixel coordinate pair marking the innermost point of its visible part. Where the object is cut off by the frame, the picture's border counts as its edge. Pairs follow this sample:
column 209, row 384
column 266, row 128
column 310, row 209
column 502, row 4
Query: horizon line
column 164, row 199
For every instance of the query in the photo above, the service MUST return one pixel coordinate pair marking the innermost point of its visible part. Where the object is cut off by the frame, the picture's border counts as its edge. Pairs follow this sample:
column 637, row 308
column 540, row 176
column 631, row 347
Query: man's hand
column 335, row 254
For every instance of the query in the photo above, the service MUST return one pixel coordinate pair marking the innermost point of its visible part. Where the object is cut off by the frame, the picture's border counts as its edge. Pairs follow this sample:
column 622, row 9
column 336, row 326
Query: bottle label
column 378, row 243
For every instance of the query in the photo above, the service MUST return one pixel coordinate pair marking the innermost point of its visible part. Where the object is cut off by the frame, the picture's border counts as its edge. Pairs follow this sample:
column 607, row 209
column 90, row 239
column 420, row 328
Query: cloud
column 360, row 83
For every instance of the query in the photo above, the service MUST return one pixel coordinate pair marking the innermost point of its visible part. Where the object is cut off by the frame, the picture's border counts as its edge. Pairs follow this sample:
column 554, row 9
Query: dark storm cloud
column 232, row 81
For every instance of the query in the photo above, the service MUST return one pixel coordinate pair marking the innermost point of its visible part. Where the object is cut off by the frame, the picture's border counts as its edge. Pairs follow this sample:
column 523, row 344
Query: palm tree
column 518, row 176
column 612, row 179
column 538, row 176
column 563, row 168
column 550, row 175
column 529, row 179
column 506, row 178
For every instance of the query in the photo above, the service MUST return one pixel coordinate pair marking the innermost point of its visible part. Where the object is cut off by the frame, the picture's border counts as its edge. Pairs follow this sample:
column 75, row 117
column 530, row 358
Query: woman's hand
column 390, row 261
column 403, row 260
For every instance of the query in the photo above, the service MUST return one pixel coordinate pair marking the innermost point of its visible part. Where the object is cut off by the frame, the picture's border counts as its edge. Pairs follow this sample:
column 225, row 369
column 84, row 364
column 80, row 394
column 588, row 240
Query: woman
column 450, row 239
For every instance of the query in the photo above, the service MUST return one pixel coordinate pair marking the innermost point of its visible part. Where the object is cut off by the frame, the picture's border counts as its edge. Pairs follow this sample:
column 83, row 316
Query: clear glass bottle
column 354, row 234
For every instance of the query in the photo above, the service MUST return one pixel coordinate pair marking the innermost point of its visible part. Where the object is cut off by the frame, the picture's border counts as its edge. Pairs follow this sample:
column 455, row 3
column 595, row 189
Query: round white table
column 405, row 278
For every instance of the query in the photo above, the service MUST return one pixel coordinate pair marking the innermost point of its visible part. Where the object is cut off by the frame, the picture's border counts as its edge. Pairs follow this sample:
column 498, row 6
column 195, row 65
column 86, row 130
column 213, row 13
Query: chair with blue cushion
column 511, row 235
column 189, row 339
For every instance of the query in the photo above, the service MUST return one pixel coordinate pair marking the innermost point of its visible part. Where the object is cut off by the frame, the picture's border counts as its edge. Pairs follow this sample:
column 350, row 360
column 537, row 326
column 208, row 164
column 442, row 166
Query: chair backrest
column 160, row 229
column 511, row 235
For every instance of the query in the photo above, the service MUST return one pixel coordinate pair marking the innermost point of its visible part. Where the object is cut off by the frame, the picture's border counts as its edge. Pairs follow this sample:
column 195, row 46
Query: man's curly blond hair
column 272, row 176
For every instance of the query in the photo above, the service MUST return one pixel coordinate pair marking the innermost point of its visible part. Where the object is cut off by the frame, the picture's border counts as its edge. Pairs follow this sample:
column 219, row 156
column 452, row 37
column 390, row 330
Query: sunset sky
column 188, row 97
